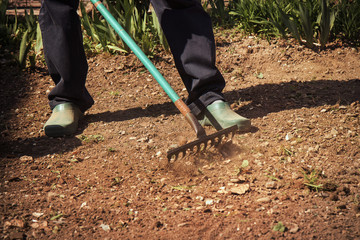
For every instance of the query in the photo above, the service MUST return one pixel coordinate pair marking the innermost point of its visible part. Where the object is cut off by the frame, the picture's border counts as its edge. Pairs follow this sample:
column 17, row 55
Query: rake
column 204, row 141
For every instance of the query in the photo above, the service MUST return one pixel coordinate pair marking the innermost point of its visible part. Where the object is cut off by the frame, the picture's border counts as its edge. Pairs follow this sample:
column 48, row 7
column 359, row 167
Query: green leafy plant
column 219, row 11
column 242, row 168
column 306, row 23
column 311, row 179
column 31, row 40
column 327, row 18
column 347, row 21
column 133, row 16
column 279, row 227
column 250, row 14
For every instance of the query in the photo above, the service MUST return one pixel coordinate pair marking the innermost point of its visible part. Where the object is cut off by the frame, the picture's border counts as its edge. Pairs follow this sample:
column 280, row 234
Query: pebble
column 289, row 136
column 26, row 158
column 14, row 223
column 183, row 224
column 260, row 209
column 294, row 229
column 106, row 228
column 241, row 189
column 36, row 214
column 263, row 200
column 209, row 201
column 271, row 185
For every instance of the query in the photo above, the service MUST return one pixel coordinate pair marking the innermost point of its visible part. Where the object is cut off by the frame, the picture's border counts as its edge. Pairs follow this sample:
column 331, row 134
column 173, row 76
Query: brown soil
column 296, row 175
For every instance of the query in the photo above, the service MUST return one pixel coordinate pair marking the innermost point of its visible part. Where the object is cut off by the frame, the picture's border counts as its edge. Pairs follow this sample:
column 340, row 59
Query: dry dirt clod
column 271, row 185
column 264, row 200
column 294, row 229
column 105, row 227
column 240, row 189
column 26, row 158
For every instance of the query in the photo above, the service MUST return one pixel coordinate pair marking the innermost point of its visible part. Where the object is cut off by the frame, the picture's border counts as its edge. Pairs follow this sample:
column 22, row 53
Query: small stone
column 26, row 158
column 294, row 229
column 35, row 225
column 260, row 209
column 201, row 198
column 264, row 200
column 241, row 189
column 222, row 191
column 14, row 223
column 209, row 201
column 234, row 180
column 288, row 136
column 105, row 227
column 50, row 196
column 183, row 224
column 36, row 214
column 334, row 132
column 271, row 185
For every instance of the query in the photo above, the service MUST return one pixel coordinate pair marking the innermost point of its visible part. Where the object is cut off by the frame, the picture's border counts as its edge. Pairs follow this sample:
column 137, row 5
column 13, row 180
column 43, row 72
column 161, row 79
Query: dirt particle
column 26, row 158
column 240, row 189
column 271, row 185
column 294, row 228
column 264, row 200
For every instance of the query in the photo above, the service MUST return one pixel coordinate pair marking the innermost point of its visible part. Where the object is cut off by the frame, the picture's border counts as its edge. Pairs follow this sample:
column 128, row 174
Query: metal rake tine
column 201, row 144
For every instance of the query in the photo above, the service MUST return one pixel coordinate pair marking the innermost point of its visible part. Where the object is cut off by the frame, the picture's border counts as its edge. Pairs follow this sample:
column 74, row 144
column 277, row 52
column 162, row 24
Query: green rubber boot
column 63, row 120
column 219, row 115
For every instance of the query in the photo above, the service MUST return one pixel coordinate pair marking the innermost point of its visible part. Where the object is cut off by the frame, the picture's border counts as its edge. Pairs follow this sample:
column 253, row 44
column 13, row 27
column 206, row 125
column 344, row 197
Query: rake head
column 202, row 144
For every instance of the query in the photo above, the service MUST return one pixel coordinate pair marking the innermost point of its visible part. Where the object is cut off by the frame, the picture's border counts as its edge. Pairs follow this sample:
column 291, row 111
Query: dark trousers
column 186, row 26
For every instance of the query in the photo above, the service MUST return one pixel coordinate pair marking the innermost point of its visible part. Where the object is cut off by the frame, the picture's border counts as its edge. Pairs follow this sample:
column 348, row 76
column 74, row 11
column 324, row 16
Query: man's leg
column 188, row 29
column 64, row 52
column 66, row 61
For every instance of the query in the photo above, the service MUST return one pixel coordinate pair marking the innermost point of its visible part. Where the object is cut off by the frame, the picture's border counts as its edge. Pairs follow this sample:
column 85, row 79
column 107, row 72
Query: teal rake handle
column 183, row 108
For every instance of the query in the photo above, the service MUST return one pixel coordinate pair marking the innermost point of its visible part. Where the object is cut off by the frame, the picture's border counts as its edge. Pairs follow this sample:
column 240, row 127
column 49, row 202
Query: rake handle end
column 190, row 118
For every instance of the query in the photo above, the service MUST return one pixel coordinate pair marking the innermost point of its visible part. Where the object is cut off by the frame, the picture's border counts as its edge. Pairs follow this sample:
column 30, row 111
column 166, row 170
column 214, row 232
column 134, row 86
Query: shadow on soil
column 270, row 98
column 263, row 99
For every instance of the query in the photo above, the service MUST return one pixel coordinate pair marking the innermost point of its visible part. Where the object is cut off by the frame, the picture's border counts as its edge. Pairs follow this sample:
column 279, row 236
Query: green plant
column 100, row 32
column 250, row 14
column 306, row 22
column 311, row 179
column 347, row 21
column 242, row 168
column 309, row 22
column 133, row 17
column 31, row 40
column 279, row 227
column 290, row 23
column 3, row 6
column 327, row 18
column 219, row 11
